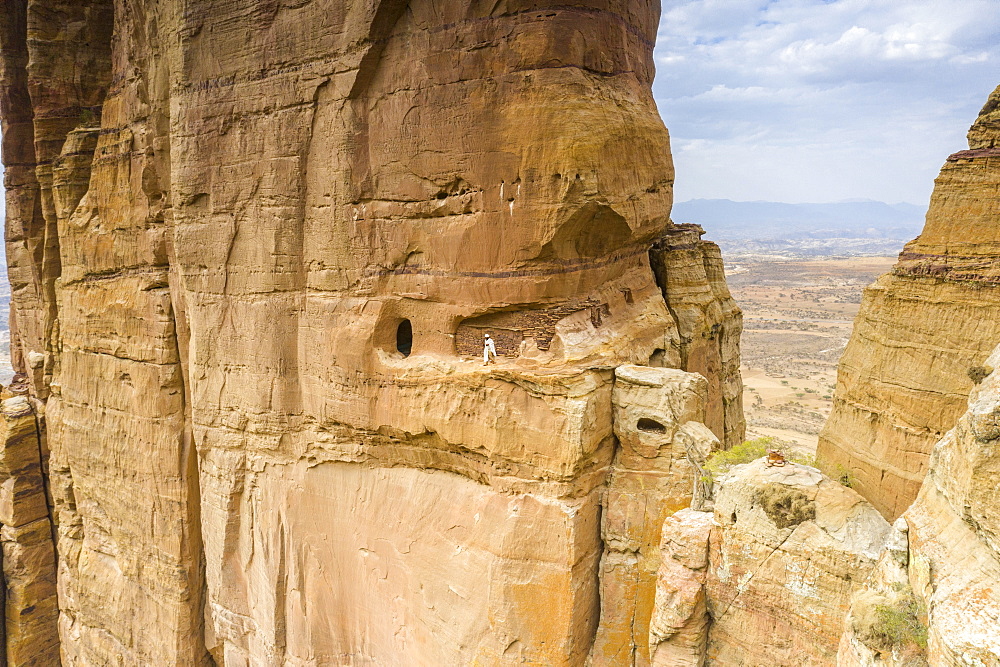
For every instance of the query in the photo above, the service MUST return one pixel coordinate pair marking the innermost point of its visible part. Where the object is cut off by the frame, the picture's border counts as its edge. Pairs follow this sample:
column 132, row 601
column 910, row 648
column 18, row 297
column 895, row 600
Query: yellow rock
column 256, row 249
column 663, row 442
column 904, row 378
column 949, row 548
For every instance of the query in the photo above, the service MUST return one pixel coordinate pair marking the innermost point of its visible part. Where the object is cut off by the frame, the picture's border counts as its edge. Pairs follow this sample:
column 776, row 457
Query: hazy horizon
column 817, row 101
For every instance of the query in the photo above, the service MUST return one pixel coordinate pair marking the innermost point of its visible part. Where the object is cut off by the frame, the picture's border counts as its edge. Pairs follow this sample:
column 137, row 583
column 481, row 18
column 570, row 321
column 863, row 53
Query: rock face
column 904, row 377
column 790, row 547
column 254, row 248
column 950, row 545
column 656, row 472
column 868, row 639
column 29, row 568
column 767, row 577
column 678, row 630
column 709, row 323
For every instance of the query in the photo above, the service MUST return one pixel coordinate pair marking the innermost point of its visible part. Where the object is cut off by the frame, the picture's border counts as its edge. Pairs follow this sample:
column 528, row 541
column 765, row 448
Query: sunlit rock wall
column 766, row 577
column 253, row 262
column 948, row 553
column 904, row 377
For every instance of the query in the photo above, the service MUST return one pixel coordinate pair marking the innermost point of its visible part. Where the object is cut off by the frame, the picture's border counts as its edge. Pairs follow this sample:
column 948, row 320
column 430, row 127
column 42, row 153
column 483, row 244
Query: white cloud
column 812, row 100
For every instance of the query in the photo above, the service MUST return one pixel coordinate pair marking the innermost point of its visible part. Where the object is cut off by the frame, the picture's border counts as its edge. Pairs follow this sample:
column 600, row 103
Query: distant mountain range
column 724, row 219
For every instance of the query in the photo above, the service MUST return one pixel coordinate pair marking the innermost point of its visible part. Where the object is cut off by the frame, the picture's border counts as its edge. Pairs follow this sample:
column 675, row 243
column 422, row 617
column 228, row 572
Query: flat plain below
column 797, row 318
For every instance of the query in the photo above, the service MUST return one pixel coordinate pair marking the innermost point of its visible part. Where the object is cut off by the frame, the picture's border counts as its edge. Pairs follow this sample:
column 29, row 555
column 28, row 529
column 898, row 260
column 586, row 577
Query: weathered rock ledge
column 948, row 552
column 792, row 568
column 766, row 577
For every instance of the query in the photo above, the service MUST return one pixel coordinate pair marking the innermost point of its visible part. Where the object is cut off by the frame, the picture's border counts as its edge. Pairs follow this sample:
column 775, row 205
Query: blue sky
column 819, row 101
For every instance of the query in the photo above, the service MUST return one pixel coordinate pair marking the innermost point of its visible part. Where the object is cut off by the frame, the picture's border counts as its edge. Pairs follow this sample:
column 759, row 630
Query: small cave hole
column 732, row 519
column 650, row 426
column 657, row 359
column 404, row 338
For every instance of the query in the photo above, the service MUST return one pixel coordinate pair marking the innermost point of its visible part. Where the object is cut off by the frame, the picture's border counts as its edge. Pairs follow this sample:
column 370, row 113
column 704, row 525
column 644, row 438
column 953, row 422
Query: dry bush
column 977, row 373
column 784, row 505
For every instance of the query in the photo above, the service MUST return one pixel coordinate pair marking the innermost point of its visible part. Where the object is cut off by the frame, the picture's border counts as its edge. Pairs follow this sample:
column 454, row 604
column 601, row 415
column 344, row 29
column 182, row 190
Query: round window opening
column 651, row 426
column 404, row 338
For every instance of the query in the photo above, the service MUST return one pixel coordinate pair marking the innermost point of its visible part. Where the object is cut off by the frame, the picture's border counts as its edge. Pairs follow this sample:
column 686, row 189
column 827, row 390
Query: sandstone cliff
column 766, row 578
column 948, row 556
column 904, row 377
column 792, row 568
column 254, row 248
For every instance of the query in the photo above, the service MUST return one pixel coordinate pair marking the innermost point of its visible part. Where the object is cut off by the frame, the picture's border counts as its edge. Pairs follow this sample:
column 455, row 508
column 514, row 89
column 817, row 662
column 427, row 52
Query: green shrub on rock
column 750, row 450
column 745, row 452
column 892, row 623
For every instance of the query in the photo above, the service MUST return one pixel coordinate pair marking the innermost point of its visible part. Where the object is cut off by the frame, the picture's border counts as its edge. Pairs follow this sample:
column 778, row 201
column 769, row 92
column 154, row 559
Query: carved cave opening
column 404, row 338
column 510, row 328
column 650, row 426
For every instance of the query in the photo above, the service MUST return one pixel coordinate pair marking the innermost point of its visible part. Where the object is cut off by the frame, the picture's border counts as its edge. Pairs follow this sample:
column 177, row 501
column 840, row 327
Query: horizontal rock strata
column 663, row 443
column 29, row 567
column 904, row 377
column 950, row 549
column 254, row 250
column 709, row 323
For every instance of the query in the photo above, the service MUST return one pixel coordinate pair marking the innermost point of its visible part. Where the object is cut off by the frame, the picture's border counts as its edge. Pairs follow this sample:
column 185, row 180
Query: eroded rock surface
column 663, row 443
column 904, row 377
column 767, row 577
column 790, row 547
column 950, row 551
column 30, row 607
column 709, row 323
column 678, row 629
column 254, row 249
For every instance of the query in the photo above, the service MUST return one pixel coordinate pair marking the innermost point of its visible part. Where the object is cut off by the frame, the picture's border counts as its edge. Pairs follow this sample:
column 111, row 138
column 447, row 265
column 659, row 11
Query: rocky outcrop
column 659, row 419
column 886, row 623
column 790, row 547
column 949, row 553
column 29, row 568
column 253, row 302
column 678, row 629
column 709, row 323
column 922, row 329
column 55, row 74
column 767, row 577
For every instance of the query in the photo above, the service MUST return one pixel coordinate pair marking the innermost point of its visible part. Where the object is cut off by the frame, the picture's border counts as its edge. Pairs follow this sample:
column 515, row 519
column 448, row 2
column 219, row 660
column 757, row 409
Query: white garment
column 489, row 349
